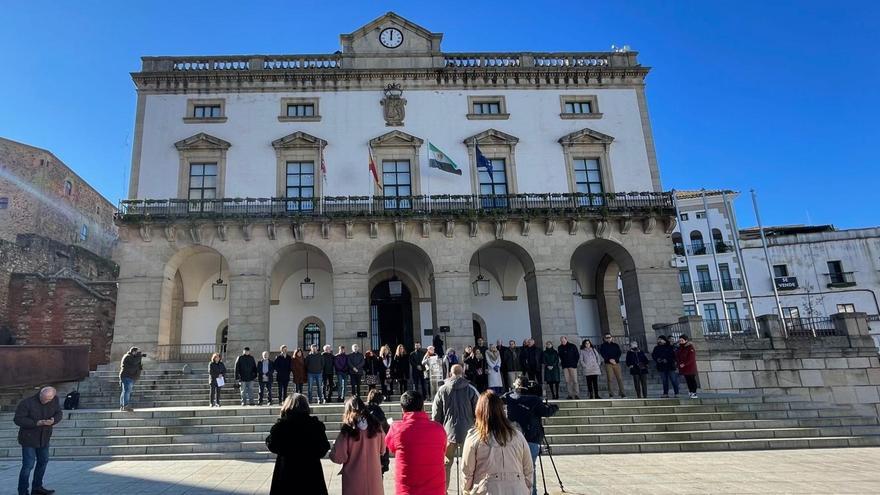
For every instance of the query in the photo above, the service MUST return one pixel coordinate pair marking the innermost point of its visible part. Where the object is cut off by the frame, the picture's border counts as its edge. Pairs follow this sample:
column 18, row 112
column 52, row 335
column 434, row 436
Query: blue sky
column 772, row 95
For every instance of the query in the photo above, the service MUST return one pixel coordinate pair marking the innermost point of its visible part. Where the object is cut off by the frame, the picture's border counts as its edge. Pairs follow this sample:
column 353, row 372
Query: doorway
column 391, row 317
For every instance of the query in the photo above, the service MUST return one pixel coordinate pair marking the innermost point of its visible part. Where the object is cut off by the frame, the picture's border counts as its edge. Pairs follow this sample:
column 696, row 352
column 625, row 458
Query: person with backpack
column 526, row 410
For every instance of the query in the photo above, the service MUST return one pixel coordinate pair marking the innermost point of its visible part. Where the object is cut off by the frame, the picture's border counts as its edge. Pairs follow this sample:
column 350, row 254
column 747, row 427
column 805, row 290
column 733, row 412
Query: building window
column 84, row 232
column 837, row 277
column 97, row 210
column 579, row 107
column 684, row 217
column 690, row 310
column 588, row 180
column 201, row 111
column 677, row 244
column 300, row 184
column 704, row 278
column 202, row 181
column 68, row 187
column 311, row 335
column 724, row 272
column 780, row 270
column 494, row 184
column 710, row 310
column 299, row 110
column 684, row 281
column 846, row 308
column 487, row 107
column 791, row 312
column 697, row 246
column 732, row 311
column 700, row 214
column 397, row 182
column 303, row 110
column 4, row 203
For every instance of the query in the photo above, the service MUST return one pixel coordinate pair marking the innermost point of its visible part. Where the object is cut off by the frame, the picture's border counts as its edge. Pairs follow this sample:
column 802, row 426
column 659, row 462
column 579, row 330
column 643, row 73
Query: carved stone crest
column 393, row 105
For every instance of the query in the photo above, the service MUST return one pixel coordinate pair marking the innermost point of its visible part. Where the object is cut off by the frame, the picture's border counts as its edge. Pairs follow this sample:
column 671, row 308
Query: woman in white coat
column 493, row 367
column 591, row 364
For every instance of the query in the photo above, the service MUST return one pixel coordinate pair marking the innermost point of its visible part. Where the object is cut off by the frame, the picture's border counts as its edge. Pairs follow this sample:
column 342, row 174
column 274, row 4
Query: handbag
column 372, row 379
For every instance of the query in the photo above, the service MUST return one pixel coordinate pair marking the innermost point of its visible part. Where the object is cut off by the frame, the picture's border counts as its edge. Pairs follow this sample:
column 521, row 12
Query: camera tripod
column 545, row 447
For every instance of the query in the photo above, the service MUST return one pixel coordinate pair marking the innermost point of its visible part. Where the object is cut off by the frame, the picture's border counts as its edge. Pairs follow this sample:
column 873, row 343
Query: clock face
column 391, row 38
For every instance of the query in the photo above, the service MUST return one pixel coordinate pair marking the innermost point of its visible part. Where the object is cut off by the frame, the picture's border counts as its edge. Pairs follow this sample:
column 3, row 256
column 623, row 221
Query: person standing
column 283, row 365
column 359, row 447
column 437, row 342
column 568, row 360
column 245, row 374
column 374, row 407
column 340, row 365
column 355, row 369
column 454, row 408
column 495, row 457
column 449, row 360
column 530, row 361
column 266, row 368
column 315, row 373
column 216, row 369
column 373, row 370
column 590, row 361
column 637, row 362
column 610, row 352
column 419, row 448
column 493, row 369
column 510, row 363
column 481, row 345
column 550, row 358
column 35, row 416
column 686, row 357
column 129, row 372
column 327, row 360
column 387, row 359
column 526, row 410
column 417, row 369
column 482, row 379
column 300, row 441
column 433, row 369
column 400, row 368
column 298, row 367
column 664, row 355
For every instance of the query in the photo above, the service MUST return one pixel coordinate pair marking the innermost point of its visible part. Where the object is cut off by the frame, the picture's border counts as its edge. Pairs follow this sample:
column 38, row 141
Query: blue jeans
column 669, row 376
column 534, row 448
column 341, row 382
column 125, row 396
column 318, row 380
column 29, row 457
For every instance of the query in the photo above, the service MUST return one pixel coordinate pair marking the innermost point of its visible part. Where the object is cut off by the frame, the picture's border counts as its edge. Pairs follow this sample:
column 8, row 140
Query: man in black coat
column 266, row 368
column 283, row 364
column 327, row 362
column 610, row 352
column 526, row 409
column 530, row 361
column 246, row 374
column 568, row 361
column 420, row 383
column 35, row 417
column 510, row 367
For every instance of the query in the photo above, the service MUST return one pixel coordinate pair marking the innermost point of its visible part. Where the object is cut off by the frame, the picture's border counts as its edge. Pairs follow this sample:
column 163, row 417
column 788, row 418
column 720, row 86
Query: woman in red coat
column 686, row 356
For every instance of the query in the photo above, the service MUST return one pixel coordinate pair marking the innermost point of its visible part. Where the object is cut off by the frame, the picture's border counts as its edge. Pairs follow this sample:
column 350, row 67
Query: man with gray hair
column 454, row 407
column 35, row 417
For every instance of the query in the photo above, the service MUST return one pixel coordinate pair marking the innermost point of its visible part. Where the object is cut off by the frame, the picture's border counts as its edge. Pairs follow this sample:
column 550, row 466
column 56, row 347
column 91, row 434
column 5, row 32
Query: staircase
column 172, row 421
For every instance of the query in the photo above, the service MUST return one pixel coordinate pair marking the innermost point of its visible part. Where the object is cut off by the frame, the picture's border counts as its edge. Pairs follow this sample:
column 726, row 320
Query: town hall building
column 390, row 192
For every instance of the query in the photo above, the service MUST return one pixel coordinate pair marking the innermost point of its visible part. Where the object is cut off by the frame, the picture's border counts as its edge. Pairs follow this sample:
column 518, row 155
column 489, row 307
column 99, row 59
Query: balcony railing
column 701, row 248
column 720, row 328
column 810, row 327
column 188, row 352
column 840, row 279
column 711, row 285
column 443, row 206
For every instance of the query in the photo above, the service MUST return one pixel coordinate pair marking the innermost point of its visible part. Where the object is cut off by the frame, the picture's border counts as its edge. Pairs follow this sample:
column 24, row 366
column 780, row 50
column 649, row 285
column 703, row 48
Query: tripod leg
column 553, row 463
column 543, row 478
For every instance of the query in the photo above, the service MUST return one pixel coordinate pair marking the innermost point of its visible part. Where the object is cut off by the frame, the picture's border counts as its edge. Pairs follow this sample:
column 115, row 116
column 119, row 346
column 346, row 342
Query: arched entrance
column 391, row 316
column 400, row 295
column 291, row 306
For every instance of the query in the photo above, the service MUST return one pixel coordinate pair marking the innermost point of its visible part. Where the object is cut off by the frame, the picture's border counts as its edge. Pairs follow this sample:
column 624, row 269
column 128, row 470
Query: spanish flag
column 373, row 168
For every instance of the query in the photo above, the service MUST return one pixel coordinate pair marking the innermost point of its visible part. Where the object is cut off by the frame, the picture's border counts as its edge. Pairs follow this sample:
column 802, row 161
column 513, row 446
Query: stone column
column 248, row 313
column 652, row 295
column 351, row 308
column 551, row 306
column 452, row 308
column 770, row 327
column 138, row 308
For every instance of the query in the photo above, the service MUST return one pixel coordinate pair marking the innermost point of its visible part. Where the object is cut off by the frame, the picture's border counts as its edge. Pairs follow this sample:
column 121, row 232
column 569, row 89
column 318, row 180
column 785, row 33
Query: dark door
column 391, row 318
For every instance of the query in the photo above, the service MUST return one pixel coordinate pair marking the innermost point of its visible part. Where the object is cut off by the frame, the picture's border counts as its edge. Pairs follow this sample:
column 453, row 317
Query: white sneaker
column 693, row 396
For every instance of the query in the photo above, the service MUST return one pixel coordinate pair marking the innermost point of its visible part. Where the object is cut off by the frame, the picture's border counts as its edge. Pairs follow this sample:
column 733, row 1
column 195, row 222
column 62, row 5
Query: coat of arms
column 393, row 106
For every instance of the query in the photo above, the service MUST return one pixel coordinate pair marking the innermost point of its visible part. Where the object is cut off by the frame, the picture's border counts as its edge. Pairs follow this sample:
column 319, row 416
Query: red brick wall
column 45, row 311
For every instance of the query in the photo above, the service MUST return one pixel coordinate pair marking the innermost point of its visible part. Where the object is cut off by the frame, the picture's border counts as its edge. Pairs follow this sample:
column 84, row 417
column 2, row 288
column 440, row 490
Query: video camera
column 531, row 387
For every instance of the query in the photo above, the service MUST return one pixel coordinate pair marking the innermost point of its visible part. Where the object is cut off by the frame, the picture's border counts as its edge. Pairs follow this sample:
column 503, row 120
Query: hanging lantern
column 218, row 288
column 307, row 287
column 395, row 286
column 480, row 284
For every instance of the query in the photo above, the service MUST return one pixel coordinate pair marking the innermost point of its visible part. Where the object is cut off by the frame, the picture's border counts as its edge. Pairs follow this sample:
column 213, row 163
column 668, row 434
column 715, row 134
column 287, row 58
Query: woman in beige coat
column 359, row 447
column 495, row 456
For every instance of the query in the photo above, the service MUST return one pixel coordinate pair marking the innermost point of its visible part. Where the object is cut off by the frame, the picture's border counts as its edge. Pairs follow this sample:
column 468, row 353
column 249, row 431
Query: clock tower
column 390, row 42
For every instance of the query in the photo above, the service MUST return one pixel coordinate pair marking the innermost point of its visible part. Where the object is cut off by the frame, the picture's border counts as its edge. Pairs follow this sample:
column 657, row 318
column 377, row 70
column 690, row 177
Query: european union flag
column 482, row 161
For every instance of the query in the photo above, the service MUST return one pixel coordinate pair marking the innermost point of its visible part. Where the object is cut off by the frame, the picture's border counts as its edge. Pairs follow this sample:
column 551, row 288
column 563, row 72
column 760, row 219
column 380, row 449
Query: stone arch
column 288, row 267
column 484, row 330
column 222, row 336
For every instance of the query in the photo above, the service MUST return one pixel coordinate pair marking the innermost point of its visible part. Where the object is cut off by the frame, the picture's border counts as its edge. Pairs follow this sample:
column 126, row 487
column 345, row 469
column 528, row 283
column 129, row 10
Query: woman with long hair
column 359, row 447
column 400, row 369
column 591, row 362
column 493, row 369
column 300, row 441
column 495, row 457
column 216, row 369
column 387, row 359
column 372, row 370
column 299, row 370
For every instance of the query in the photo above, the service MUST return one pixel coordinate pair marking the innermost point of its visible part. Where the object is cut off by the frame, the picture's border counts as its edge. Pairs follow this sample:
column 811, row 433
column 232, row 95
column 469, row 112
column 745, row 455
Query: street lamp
column 218, row 288
column 481, row 284
column 395, row 286
column 307, row 287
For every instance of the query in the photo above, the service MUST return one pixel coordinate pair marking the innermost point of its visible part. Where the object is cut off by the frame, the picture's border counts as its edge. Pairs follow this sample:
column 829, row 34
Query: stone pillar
column 692, row 326
column 452, row 308
column 652, row 295
column 351, row 309
column 551, row 306
column 138, row 308
column 248, row 313
column 851, row 324
column 771, row 327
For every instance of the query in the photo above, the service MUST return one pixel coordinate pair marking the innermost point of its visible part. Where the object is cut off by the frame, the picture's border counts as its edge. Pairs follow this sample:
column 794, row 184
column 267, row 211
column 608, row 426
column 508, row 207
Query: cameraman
column 129, row 372
column 526, row 408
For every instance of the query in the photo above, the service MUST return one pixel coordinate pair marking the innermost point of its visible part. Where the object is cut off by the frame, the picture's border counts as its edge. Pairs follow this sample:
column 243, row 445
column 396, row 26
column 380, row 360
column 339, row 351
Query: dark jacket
column 400, row 367
column 609, row 350
column 260, row 370
column 340, row 363
column 527, row 411
column 530, row 358
column 664, row 356
column 454, row 407
column 215, row 370
column 355, row 363
column 415, row 361
column 551, row 365
column 314, row 363
column 327, row 361
column 299, row 370
column 245, row 368
column 373, row 366
column 300, row 441
column 131, row 366
column 437, row 342
column 283, row 365
column 569, row 355
column 637, row 362
column 27, row 413
column 509, row 359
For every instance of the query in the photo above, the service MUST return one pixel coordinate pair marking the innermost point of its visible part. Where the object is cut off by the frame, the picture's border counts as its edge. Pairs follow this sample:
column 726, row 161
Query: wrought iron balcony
column 437, row 206
column 701, row 248
column 711, row 285
column 840, row 279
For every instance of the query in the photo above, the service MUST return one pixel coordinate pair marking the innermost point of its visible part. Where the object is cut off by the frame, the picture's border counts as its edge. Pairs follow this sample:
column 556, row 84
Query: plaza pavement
column 819, row 471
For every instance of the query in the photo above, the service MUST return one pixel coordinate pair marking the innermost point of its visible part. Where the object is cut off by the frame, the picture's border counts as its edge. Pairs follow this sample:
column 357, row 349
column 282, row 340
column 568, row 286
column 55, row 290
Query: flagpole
column 427, row 197
column 769, row 264
column 371, row 178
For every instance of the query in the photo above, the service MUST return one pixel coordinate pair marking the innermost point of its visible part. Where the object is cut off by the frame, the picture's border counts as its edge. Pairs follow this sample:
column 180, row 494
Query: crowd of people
column 323, row 374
